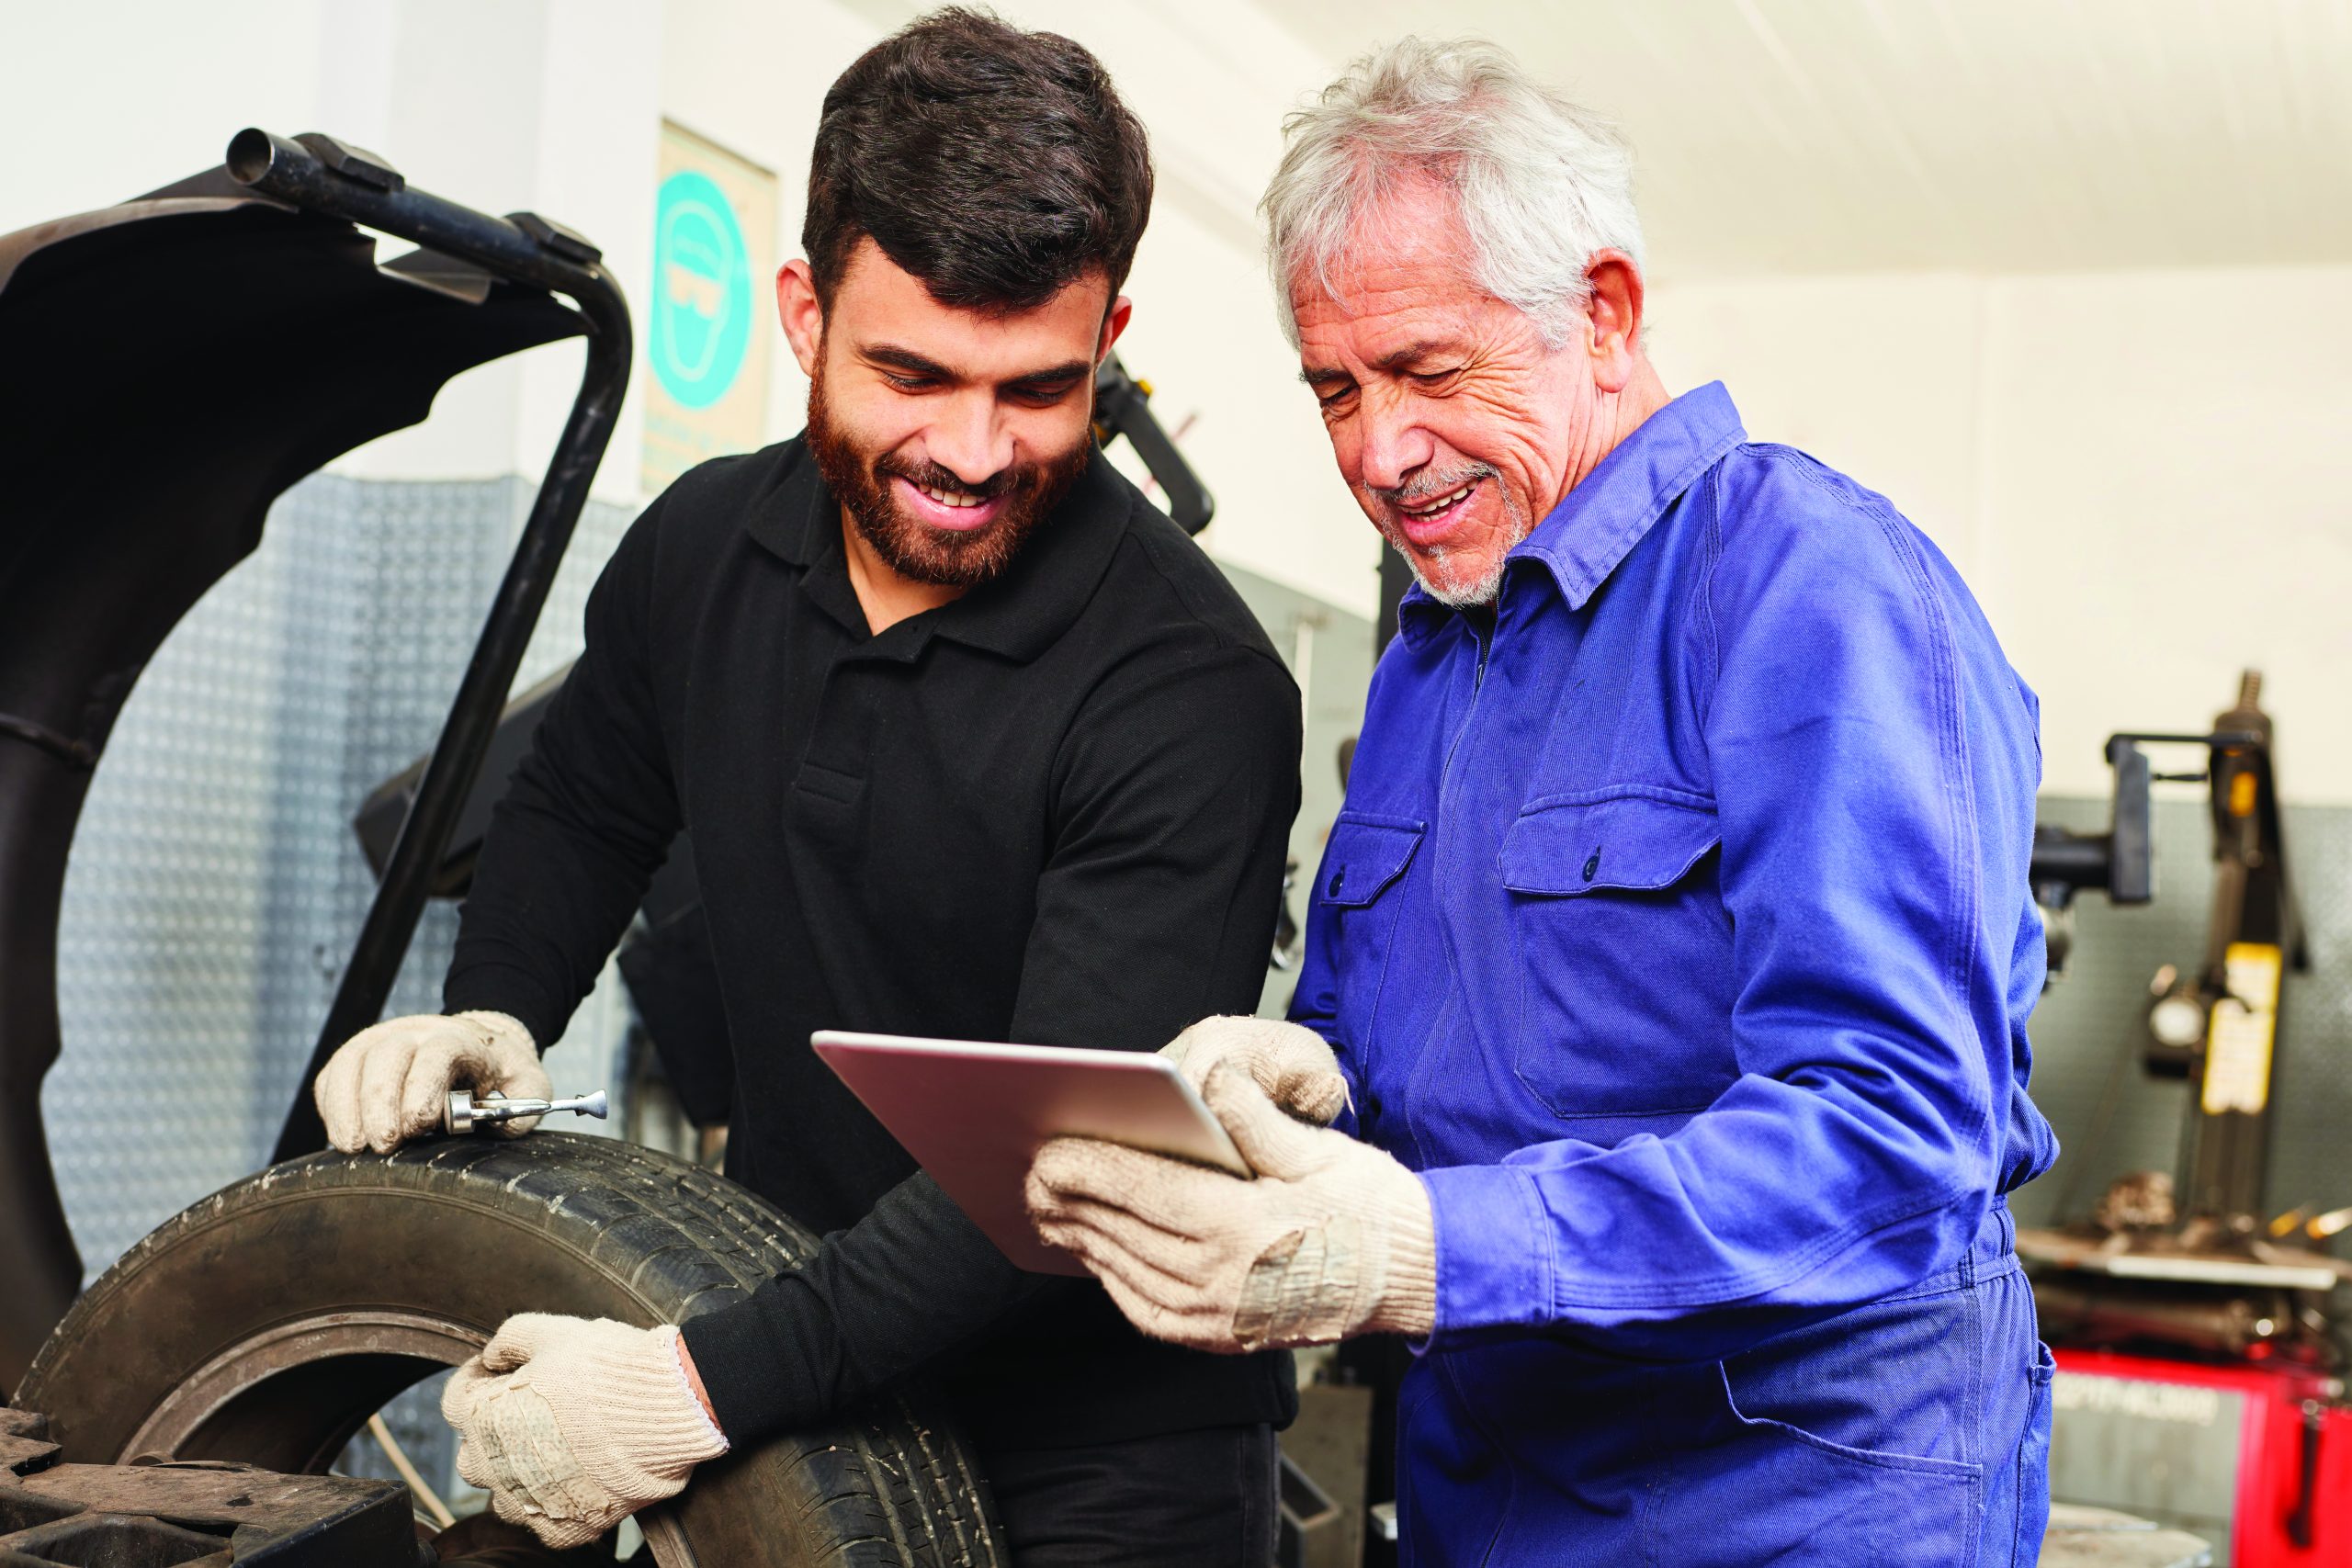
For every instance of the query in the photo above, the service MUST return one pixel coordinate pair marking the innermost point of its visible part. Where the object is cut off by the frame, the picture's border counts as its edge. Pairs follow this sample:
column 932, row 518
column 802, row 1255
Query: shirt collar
column 1610, row 510
column 1019, row 616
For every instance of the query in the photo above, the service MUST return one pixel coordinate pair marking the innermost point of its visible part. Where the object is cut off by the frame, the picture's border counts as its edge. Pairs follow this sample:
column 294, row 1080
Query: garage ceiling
column 1986, row 135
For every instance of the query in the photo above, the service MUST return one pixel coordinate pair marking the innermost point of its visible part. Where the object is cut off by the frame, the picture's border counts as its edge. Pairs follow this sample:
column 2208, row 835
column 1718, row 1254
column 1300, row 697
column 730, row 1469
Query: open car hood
column 169, row 367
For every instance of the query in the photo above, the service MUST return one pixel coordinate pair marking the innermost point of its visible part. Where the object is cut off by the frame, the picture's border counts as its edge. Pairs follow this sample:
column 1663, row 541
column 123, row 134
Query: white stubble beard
column 1489, row 585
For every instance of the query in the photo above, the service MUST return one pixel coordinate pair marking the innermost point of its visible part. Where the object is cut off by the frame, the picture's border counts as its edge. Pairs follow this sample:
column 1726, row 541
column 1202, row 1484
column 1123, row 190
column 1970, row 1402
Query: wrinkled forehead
column 1405, row 253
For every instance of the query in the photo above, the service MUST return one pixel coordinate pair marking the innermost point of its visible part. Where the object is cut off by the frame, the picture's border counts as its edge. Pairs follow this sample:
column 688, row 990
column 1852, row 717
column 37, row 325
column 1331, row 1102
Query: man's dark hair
column 996, row 165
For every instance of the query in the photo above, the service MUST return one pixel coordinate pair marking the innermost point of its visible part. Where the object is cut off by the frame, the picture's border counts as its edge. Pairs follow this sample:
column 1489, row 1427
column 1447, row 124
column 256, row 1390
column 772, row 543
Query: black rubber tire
column 463, row 1233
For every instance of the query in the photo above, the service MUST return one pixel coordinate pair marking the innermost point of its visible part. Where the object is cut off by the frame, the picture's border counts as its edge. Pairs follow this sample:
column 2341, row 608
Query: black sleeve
column 1175, row 791
column 583, row 826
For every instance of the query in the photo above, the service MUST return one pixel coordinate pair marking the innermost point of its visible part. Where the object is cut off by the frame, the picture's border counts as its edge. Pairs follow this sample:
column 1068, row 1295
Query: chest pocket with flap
column 1356, row 887
column 1625, row 842
column 1367, row 855
column 1624, row 958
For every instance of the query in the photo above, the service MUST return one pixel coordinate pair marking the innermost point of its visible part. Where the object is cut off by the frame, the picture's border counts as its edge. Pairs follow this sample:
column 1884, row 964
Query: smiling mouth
column 1426, row 523
column 1431, row 508
column 954, row 510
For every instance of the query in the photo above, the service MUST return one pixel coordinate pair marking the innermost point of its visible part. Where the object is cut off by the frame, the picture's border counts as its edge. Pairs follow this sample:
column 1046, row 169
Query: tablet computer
column 974, row 1114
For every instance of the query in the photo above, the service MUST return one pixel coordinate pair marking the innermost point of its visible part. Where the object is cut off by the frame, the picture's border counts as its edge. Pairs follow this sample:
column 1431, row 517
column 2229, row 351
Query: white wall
column 2143, row 474
column 98, row 103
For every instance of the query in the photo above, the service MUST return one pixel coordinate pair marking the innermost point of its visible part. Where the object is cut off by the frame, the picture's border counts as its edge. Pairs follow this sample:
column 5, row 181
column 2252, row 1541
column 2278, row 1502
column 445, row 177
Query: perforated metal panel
column 215, row 887
column 2087, row 1031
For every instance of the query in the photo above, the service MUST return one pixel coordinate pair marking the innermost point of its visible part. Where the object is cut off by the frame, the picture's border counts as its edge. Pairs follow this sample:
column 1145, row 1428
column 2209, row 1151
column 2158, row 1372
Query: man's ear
column 1115, row 321
column 1614, row 315
column 803, row 315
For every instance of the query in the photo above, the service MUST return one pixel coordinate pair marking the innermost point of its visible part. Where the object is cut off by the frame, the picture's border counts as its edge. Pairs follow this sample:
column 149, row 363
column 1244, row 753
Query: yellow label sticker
column 2244, row 1027
column 2242, row 787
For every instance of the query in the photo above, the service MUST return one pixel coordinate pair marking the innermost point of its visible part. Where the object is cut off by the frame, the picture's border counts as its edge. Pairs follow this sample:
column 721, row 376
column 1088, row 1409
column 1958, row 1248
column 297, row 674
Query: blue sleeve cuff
column 1494, row 1249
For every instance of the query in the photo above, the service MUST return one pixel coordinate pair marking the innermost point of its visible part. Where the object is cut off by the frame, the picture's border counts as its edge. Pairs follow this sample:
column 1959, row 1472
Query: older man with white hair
column 1674, row 948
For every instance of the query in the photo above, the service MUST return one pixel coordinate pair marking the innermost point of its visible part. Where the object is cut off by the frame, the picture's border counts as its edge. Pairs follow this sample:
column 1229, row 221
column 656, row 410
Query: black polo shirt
column 1054, row 811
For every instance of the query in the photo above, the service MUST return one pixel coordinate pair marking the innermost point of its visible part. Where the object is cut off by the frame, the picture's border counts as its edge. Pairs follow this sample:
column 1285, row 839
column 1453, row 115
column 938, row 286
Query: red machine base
column 2257, row 1460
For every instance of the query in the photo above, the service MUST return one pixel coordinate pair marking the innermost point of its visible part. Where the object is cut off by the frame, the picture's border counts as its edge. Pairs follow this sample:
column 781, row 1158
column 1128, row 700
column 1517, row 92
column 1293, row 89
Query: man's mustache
column 1421, row 489
column 932, row 476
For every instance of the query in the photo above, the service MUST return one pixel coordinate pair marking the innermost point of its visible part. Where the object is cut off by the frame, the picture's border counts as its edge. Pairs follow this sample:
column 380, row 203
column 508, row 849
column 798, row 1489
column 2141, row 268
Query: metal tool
column 464, row 1110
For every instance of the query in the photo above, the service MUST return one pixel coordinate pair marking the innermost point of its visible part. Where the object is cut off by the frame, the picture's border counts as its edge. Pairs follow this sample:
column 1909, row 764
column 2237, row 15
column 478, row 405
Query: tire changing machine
column 2200, row 1355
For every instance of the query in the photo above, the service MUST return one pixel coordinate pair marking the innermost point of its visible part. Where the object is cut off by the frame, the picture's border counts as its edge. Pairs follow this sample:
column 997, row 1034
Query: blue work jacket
column 1677, row 931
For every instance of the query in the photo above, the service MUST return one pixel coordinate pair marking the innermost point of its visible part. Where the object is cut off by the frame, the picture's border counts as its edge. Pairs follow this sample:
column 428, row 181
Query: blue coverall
column 1677, row 931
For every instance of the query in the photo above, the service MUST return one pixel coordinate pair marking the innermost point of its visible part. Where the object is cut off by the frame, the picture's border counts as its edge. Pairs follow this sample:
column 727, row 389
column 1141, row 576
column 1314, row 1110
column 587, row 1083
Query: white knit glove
column 1293, row 1064
column 1331, row 1238
column 572, row 1423
column 391, row 1082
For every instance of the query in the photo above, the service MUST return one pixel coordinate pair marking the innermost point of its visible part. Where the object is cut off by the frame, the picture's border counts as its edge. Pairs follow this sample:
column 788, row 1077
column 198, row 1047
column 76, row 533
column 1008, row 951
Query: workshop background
column 2072, row 284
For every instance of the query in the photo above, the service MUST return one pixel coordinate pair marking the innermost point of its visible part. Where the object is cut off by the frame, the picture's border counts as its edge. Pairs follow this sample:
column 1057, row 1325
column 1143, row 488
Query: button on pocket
column 1623, row 957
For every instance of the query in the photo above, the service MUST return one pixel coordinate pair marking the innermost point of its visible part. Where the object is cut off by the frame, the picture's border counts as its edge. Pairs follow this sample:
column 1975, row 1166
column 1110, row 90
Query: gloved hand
column 1293, row 1064
column 389, row 1083
column 1331, row 1238
column 572, row 1423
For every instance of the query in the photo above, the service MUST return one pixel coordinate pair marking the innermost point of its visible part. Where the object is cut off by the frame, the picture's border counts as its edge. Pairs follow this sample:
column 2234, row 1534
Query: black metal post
column 1121, row 407
column 2252, row 917
column 317, row 174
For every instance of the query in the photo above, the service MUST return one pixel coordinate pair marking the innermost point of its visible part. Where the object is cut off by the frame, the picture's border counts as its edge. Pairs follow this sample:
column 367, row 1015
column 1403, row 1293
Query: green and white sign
column 710, row 320
column 701, row 315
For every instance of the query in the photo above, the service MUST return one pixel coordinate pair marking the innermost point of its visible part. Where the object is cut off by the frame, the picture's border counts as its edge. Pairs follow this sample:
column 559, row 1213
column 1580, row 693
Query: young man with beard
column 973, row 742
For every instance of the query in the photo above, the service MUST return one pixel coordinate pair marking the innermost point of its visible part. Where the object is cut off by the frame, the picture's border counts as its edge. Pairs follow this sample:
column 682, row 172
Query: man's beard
column 1481, row 591
column 1475, row 595
column 909, row 546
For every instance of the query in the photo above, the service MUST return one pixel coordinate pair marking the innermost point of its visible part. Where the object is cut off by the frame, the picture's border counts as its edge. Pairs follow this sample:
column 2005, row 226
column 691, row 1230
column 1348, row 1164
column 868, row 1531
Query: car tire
column 266, row 1324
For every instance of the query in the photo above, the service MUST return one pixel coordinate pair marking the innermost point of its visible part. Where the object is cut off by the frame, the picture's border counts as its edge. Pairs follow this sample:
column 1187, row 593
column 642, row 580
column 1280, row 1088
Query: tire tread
column 889, row 1485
